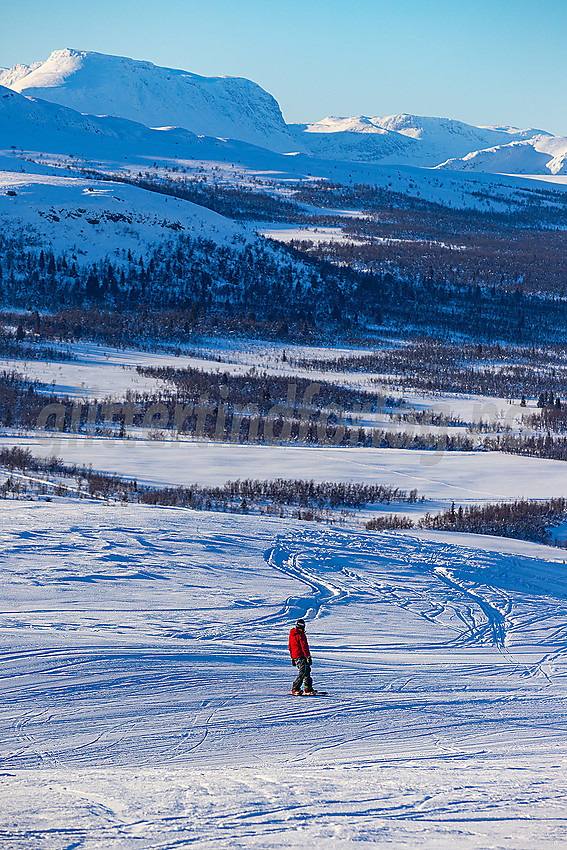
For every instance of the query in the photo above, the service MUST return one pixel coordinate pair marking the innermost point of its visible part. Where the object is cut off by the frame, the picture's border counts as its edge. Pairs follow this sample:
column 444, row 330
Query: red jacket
column 298, row 646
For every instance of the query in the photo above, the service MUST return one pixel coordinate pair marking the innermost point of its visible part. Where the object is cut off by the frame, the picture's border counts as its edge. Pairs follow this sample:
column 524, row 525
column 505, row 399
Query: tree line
column 521, row 519
column 264, row 285
column 438, row 366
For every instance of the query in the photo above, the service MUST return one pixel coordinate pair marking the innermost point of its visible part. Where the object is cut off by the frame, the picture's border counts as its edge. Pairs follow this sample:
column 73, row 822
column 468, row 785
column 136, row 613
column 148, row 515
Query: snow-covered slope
column 135, row 96
column 90, row 221
column 541, row 155
column 404, row 139
column 34, row 129
column 356, row 139
column 36, row 125
column 144, row 697
column 39, row 127
column 227, row 107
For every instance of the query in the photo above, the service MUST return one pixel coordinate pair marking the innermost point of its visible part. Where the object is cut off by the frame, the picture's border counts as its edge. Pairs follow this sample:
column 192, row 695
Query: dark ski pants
column 303, row 675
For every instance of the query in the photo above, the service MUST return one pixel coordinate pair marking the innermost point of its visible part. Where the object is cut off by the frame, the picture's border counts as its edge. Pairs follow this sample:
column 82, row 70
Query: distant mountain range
column 542, row 154
column 136, row 96
column 402, row 139
column 435, row 143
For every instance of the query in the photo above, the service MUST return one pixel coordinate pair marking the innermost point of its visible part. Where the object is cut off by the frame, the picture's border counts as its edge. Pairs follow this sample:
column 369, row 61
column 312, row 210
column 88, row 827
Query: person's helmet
column 300, row 624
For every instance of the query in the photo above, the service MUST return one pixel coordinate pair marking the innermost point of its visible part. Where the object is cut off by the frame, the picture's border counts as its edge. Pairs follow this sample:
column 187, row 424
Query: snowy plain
column 441, row 476
column 101, row 371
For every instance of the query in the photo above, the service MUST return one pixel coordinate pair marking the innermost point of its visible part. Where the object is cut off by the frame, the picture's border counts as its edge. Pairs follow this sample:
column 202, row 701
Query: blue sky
column 483, row 61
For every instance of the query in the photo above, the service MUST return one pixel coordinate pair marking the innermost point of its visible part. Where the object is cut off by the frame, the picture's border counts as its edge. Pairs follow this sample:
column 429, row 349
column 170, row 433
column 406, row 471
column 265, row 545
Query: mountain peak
column 100, row 84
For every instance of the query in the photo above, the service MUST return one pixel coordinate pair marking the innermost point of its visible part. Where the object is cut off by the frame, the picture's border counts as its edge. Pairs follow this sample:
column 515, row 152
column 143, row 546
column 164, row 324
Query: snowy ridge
column 41, row 130
column 541, row 155
column 227, row 107
column 236, row 108
column 35, row 125
column 189, row 109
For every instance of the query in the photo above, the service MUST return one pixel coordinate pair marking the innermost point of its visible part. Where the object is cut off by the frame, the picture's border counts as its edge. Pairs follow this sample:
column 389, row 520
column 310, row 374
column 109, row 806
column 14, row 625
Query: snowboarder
column 301, row 658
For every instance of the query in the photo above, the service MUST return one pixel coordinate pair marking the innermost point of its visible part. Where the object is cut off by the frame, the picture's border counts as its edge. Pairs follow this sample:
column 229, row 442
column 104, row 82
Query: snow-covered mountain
column 354, row 139
column 118, row 98
column 39, row 127
column 34, row 130
column 34, row 124
column 541, row 155
column 403, row 139
column 94, row 83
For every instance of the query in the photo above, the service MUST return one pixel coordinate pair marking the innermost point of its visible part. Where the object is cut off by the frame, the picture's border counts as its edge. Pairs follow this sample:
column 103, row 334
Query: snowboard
column 314, row 694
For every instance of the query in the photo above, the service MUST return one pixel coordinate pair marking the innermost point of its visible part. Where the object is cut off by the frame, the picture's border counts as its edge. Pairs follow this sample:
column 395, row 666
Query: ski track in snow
column 144, row 682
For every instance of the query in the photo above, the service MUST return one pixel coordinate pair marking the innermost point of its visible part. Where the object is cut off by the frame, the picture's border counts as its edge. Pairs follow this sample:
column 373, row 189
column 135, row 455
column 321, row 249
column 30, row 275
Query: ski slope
column 145, row 680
